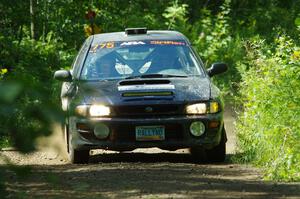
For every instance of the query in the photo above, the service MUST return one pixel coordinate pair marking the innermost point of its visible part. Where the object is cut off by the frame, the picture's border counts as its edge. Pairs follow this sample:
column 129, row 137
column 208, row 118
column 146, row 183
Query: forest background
column 259, row 40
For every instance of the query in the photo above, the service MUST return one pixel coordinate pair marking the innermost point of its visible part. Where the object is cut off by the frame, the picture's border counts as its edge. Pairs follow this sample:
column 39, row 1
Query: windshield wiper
column 154, row 76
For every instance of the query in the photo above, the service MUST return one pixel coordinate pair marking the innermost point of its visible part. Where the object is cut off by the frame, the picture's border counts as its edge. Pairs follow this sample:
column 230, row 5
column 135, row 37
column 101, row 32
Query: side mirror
column 217, row 68
column 63, row 75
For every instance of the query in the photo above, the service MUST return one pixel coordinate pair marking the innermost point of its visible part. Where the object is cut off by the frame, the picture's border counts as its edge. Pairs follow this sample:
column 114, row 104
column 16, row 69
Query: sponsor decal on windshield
column 159, row 42
column 130, row 43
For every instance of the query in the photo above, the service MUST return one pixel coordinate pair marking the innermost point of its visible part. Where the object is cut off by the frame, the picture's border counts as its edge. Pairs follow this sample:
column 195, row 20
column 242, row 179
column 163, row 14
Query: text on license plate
column 149, row 133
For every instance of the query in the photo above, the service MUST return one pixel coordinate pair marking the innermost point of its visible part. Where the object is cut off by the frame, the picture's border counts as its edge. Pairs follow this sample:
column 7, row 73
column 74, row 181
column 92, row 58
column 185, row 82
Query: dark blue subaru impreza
column 140, row 89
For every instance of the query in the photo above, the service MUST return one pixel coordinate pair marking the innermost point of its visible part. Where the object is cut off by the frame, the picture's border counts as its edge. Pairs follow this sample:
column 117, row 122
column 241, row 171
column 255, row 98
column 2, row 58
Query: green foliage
column 30, row 104
column 269, row 125
column 4, row 142
column 116, row 15
column 176, row 16
column 215, row 43
column 215, row 35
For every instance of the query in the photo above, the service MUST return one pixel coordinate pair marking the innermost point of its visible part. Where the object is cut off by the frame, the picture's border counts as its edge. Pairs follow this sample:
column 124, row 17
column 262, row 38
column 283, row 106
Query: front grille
column 159, row 109
column 127, row 133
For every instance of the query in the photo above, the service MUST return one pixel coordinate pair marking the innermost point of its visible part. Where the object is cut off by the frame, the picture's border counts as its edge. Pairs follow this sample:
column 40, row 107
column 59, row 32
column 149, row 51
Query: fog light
column 197, row 128
column 101, row 131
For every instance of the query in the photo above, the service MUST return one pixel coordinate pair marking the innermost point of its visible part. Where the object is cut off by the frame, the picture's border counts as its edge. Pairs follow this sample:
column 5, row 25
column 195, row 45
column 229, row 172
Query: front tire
column 75, row 156
column 216, row 154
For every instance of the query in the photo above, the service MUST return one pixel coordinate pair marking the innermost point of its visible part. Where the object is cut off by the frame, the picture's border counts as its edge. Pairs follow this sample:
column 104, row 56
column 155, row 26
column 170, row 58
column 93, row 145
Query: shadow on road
column 141, row 157
column 149, row 158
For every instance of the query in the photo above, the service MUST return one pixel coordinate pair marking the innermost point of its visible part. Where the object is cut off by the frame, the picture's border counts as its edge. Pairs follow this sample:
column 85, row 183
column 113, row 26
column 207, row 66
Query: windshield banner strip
column 114, row 44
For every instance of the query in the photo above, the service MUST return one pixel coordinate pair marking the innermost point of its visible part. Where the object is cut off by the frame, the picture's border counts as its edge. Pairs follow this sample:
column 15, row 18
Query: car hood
column 119, row 92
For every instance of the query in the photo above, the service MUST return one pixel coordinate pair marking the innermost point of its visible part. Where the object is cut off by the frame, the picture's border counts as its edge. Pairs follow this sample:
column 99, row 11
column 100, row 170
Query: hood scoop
column 147, row 94
column 144, row 82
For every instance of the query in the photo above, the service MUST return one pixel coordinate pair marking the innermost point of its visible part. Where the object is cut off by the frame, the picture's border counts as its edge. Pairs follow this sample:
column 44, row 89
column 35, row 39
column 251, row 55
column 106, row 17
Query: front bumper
column 122, row 132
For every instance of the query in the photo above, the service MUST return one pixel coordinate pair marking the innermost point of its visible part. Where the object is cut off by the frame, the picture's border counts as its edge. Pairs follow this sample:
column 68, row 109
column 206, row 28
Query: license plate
column 149, row 133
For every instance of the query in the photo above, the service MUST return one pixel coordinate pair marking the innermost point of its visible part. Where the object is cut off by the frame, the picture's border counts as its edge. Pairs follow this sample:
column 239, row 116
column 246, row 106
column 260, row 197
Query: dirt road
column 150, row 173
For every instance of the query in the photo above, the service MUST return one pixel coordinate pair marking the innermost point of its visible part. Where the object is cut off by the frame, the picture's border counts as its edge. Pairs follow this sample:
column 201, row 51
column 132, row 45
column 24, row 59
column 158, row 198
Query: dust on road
column 143, row 173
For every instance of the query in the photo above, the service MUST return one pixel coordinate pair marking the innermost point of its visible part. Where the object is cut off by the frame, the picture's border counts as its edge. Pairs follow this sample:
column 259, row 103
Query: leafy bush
column 176, row 16
column 269, row 128
column 28, row 98
column 216, row 42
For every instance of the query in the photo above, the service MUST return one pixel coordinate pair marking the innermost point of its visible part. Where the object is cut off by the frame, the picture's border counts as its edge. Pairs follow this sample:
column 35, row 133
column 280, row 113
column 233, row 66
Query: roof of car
column 150, row 35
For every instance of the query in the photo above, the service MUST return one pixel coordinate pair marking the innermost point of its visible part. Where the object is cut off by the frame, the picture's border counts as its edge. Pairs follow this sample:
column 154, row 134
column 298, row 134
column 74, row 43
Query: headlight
column 196, row 109
column 99, row 110
column 203, row 108
column 92, row 110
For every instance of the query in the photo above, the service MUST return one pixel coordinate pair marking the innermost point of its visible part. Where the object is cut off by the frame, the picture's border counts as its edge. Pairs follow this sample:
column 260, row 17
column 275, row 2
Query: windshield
column 119, row 60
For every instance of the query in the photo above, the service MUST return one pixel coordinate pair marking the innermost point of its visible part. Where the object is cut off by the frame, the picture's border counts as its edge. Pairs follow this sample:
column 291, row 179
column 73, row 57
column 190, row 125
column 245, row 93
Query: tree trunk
column 20, row 34
column 32, row 18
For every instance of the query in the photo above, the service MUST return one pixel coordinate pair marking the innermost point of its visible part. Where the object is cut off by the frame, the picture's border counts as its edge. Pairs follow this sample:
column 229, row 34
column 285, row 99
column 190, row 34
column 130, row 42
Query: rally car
column 140, row 89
